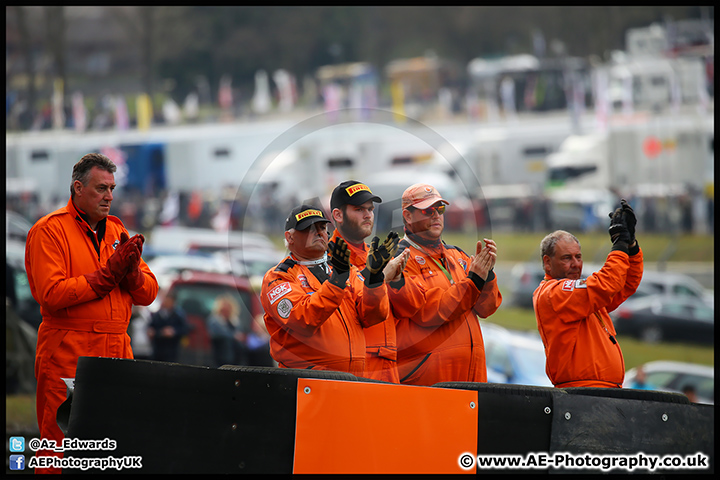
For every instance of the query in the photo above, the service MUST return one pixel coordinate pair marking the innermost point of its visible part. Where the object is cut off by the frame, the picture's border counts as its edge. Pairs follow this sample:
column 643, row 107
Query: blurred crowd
column 690, row 212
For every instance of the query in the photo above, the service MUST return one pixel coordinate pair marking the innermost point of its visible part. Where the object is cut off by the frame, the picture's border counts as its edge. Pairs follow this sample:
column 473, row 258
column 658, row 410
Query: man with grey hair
column 572, row 312
column 86, row 274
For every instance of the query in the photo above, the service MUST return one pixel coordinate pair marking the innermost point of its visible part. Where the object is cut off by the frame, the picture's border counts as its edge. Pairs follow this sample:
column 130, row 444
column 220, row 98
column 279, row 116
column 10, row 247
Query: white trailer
column 667, row 150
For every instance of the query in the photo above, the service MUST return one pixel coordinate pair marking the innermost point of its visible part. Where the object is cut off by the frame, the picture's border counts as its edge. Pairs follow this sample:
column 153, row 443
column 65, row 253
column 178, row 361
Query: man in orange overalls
column 316, row 309
column 572, row 312
column 439, row 297
column 86, row 275
column 353, row 205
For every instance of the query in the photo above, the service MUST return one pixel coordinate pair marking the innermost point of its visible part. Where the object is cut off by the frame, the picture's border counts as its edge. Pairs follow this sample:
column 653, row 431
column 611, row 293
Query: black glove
column 619, row 234
column 339, row 256
column 340, row 261
column 378, row 258
column 630, row 219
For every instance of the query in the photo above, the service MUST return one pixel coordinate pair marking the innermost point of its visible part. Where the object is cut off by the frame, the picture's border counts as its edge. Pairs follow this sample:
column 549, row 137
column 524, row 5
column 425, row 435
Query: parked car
column 252, row 263
column 22, row 319
column 225, row 242
column 167, row 267
column 195, row 292
column 20, row 343
column 514, row 357
column 673, row 283
column 180, row 239
column 525, row 278
column 673, row 376
column 17, row 288
column 16, row 226
column 658, row 317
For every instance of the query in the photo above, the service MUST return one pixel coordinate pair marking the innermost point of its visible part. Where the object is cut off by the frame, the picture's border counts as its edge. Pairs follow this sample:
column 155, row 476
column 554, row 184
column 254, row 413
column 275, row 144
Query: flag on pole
column 79, row 114
column 170, row 210
column 144, row 112
column 261, row 98
column 171, row 112
column 225, row 96
column 58, row 115
column 122, row 119
column 283, row 80
column 333, row 98
column 602, row 102
column 398, row 100
column 221, row 220
column 191, row 106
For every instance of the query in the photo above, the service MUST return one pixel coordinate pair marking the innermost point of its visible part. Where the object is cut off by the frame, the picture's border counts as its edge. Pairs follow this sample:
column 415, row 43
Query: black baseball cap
column 352, row 192
column 303, row 216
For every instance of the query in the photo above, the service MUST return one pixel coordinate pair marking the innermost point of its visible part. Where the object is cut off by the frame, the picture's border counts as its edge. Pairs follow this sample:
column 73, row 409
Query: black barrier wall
column 186, row 419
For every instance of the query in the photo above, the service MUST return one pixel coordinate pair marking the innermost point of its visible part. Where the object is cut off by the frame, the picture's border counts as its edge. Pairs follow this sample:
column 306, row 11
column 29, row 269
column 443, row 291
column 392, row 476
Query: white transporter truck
column 658, row 157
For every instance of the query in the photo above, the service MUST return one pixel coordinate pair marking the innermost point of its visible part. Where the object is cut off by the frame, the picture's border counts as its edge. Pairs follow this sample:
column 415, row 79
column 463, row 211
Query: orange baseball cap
column 421, row 195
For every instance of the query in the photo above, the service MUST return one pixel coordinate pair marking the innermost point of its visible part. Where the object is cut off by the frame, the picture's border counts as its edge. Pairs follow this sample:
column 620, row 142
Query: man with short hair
column 315, row 309
column 572, row 312
column 440, row 296
column 353, row 205
column 86, row 275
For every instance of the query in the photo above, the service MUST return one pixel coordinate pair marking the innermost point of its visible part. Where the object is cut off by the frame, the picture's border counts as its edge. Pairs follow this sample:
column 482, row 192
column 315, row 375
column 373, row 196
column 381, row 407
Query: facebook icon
column 17, row 462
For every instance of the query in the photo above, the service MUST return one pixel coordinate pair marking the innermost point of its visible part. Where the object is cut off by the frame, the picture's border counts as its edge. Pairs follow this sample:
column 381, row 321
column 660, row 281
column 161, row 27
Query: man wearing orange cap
column 353, row 205
column 439, row 297
column 316, row 308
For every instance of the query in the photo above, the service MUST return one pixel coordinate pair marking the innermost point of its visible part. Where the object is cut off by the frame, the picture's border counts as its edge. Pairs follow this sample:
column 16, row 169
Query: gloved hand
column 630, row 219
column 139, row 240
column 134, row 278
column 105, row 279
column 339, row 256
column 619, row 233
column 340, row 261
column 378, row 258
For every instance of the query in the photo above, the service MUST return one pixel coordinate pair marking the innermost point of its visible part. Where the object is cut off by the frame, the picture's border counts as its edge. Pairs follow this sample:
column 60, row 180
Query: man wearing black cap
column 315, row 308
column 353, row 205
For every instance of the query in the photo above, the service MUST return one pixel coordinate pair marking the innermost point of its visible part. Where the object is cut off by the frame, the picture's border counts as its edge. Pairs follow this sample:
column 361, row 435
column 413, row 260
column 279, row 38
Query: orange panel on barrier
column 358, row 427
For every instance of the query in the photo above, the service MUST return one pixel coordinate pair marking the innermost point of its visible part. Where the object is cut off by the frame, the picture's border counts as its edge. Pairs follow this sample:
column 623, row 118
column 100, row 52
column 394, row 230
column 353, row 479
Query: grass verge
column 20, row 412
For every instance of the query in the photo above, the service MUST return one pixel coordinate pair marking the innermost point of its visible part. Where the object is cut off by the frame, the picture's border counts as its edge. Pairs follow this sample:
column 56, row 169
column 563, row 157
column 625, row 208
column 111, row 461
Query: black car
column 656, row 318
column 22, row 319
column 525, row 277
column 17, row 288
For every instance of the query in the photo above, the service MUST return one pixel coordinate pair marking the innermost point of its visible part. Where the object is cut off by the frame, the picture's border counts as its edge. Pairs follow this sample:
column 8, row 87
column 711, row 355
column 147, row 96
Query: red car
column 196, row 292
